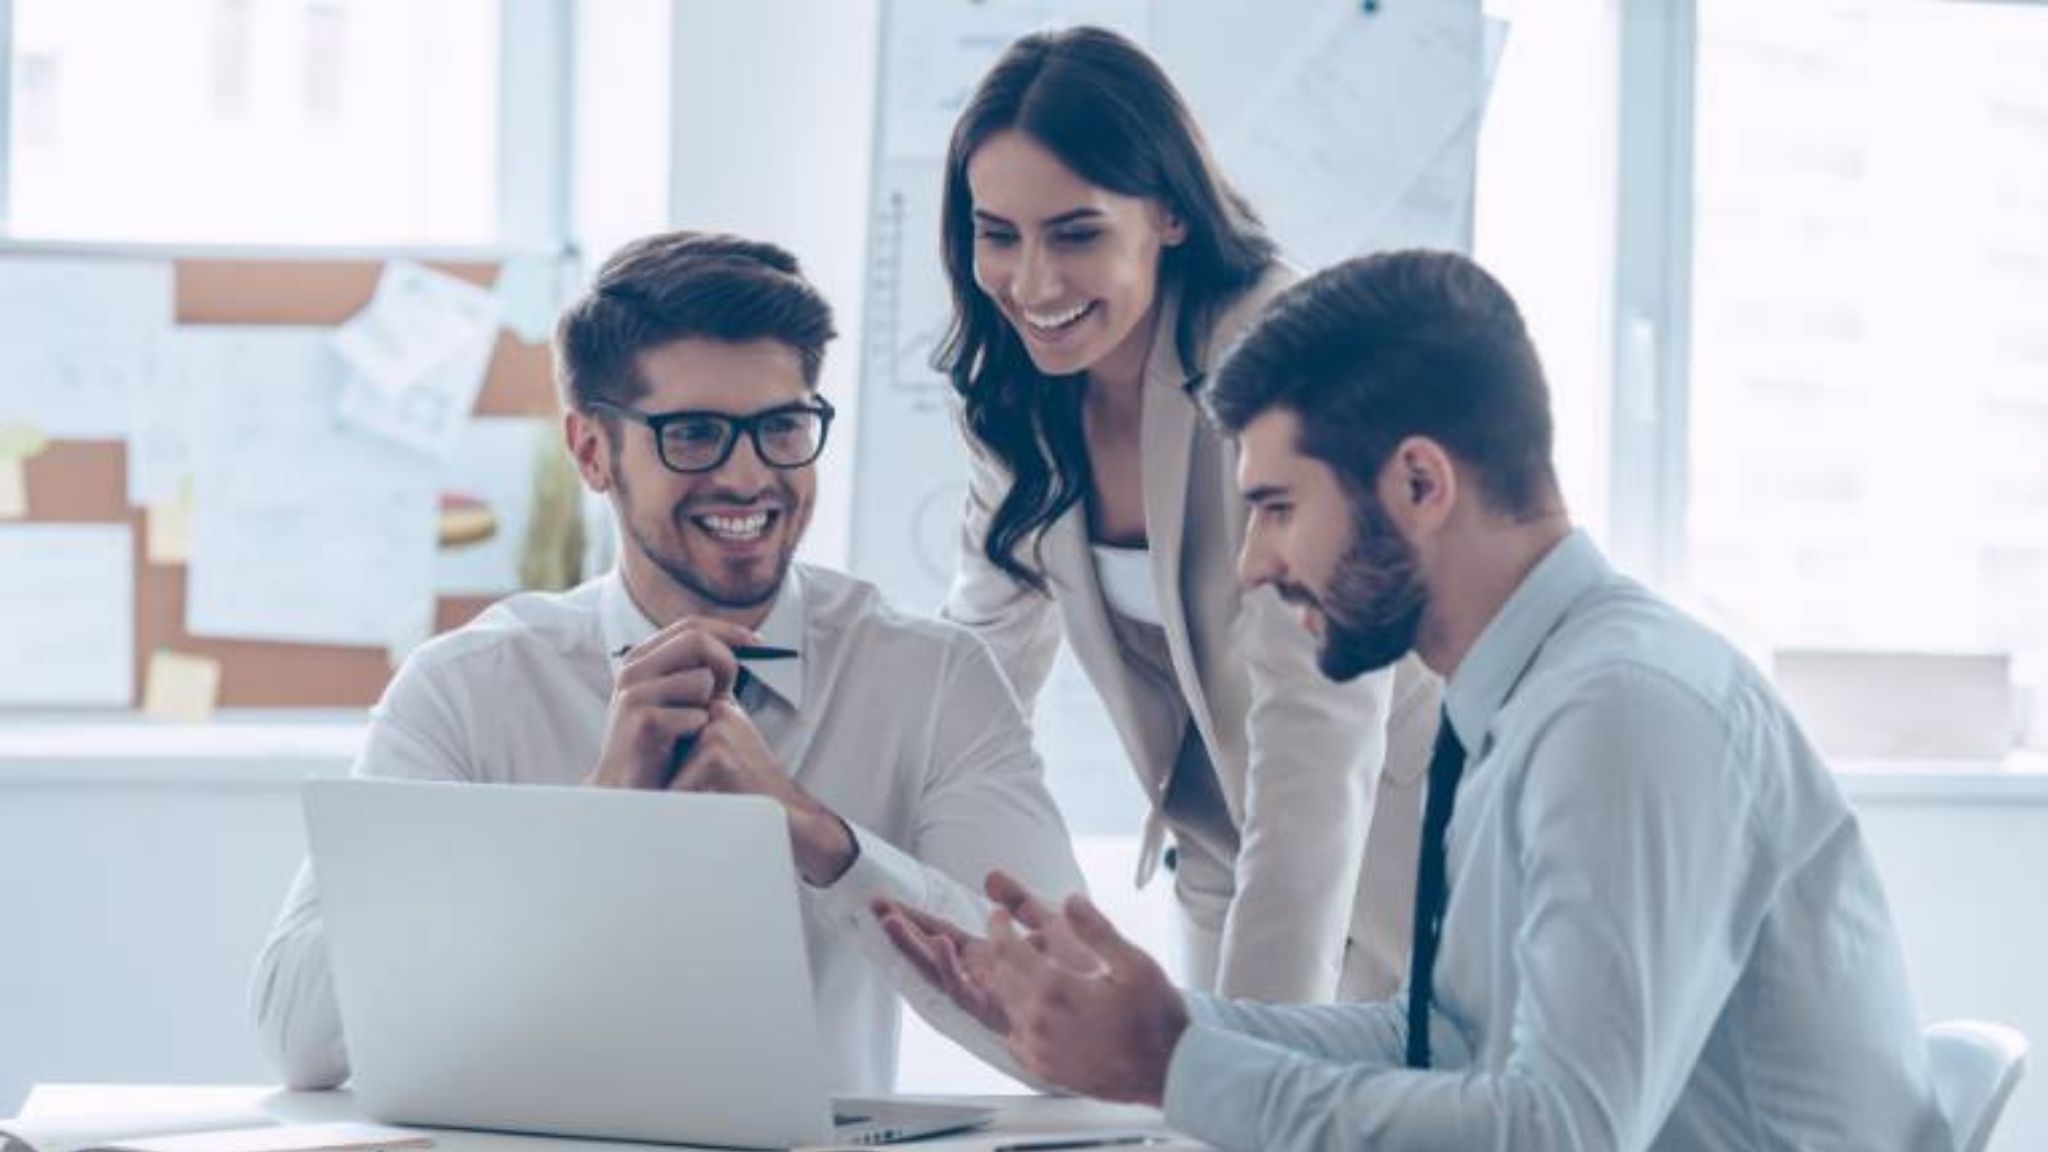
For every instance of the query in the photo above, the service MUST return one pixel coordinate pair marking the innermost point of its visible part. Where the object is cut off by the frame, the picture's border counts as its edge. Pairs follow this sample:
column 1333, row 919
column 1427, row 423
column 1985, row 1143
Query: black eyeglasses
column 790, row 436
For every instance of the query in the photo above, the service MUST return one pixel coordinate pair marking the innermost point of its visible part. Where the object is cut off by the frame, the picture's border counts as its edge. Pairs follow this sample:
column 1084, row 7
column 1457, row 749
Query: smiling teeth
column 1055, row 319
column 735, row 527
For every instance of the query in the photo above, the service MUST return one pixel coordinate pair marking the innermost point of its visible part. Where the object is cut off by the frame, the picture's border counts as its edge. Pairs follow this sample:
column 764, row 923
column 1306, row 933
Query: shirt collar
column 624, row 625
column 1509, row 642
column 784, row 628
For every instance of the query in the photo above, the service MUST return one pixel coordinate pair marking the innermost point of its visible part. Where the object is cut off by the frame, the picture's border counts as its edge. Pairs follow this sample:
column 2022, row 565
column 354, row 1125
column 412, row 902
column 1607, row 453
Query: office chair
column 1975, row 1065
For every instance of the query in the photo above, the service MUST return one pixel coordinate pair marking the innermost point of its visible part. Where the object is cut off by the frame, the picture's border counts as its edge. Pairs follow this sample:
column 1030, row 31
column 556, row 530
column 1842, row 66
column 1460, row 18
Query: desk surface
column 1016, row 1116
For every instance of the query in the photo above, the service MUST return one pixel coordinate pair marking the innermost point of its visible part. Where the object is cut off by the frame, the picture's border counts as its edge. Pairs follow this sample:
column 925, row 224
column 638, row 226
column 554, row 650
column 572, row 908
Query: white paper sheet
column 1436, row 211
column 67, row 613
column 415, row 322
column 1354, row 119
column 529, row 294
column 77, row 338
column 165, row 408
column 416, row 358
column 493, row 463
column 303, row 530
column 427, row 414
column 936, row 53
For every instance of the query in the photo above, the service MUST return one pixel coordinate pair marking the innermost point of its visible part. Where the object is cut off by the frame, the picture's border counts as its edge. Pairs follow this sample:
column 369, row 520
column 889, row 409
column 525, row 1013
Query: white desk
column 1017, row 1117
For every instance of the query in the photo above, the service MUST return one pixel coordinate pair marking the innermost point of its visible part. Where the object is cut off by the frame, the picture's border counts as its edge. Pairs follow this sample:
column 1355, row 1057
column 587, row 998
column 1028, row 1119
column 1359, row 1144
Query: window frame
column 1649, row 455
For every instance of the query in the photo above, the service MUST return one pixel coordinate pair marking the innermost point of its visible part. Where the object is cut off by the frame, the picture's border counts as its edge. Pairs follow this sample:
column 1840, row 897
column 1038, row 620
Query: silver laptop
column 580, row 962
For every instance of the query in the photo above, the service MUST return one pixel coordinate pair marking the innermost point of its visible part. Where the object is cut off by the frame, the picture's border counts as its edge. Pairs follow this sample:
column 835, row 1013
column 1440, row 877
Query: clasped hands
column 673, row 724
column 1076, row 1004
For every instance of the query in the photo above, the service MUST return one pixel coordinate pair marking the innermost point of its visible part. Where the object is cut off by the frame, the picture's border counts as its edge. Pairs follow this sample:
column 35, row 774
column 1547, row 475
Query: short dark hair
column 675, row 286
column 1399, row 344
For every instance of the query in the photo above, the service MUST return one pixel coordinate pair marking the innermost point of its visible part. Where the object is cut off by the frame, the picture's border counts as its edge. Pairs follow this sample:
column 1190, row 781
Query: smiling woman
column 1099, row 264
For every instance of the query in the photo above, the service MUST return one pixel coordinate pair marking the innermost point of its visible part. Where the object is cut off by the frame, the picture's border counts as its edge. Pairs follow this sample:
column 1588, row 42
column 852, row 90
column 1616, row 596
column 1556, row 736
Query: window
column 1868, row 384
column 256, row 121
column 1544, row 217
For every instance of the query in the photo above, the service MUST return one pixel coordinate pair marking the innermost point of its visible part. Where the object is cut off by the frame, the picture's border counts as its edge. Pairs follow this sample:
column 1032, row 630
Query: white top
column 1126, row 578
column 1664, row 930
column 903, row 726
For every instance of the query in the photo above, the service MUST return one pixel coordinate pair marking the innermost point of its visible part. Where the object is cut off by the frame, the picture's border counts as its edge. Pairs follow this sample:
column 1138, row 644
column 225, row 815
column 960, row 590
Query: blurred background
column 1786, row 262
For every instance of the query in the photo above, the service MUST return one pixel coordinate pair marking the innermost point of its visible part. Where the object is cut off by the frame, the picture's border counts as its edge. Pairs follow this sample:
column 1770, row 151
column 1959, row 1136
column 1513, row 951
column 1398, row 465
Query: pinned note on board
column 181, row 687
column 13, row 488
column 528, row 296
column 78, row 336
column 416, row 358
column 418, row 319
column 19, row 443
column 67, row 616
column 1334, row 136
column 169, row 535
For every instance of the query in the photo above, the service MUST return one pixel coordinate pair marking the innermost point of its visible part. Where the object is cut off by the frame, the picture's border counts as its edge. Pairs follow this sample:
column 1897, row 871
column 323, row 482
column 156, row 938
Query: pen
column 1064, row 1144
column 741, row 651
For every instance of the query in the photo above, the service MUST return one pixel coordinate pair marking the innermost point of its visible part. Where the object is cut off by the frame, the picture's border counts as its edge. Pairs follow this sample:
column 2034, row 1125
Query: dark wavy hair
column 1096, row 101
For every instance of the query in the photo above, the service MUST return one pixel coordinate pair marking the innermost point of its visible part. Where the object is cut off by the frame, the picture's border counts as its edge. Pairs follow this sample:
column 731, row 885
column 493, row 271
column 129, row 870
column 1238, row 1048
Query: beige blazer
column 1308, row 905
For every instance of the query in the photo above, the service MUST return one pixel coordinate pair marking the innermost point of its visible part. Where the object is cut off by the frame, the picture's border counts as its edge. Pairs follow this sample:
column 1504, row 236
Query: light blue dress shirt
column 1664, row 930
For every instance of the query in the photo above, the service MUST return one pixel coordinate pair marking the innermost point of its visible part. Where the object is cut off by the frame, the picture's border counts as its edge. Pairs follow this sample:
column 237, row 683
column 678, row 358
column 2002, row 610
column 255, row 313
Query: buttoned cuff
column 879, row 869
column 1213, row 1084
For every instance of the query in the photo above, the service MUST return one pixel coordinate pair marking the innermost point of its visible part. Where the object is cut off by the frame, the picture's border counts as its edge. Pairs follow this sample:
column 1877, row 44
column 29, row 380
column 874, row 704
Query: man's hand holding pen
column 673, row 723
column 662, row 698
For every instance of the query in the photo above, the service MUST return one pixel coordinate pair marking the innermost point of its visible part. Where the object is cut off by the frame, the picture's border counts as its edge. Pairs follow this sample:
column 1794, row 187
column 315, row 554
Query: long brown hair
column 1096, row 101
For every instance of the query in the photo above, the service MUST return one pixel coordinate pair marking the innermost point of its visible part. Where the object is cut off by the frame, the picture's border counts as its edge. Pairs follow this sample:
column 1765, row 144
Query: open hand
column 1107, row 1030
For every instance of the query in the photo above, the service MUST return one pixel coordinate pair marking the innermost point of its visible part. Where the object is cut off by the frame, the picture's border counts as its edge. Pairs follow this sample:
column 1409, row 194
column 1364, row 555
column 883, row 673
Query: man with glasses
column 710, row 661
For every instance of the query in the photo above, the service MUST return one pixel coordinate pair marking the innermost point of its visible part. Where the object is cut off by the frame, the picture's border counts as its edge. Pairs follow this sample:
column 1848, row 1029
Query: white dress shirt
column 1664, row 930
column 903, row 726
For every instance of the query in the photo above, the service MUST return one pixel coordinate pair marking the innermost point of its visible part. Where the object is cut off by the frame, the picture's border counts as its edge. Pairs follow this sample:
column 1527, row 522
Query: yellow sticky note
column 22, row 441
column 180, row 687
column 19, row 443
column 13, row 488
column 170, row 530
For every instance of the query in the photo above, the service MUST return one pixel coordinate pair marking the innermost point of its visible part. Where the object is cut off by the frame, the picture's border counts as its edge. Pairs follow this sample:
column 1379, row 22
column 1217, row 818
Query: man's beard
column 706, row 592
column 1372, row 608
column 703, row 586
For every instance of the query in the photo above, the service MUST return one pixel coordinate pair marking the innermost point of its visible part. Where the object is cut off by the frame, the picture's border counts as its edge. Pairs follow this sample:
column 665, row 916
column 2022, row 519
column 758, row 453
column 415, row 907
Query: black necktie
column 748, row 691
column 1446, row 763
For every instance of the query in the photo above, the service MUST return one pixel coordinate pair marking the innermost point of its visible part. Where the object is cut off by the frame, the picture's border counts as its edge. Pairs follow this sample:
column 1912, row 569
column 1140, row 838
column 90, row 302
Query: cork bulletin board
column 85, row 481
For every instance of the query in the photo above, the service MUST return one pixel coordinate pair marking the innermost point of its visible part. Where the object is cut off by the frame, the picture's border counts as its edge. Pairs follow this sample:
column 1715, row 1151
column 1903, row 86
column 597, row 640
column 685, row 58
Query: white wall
column 135, row 888
column 773, row 114
column 1964, row 874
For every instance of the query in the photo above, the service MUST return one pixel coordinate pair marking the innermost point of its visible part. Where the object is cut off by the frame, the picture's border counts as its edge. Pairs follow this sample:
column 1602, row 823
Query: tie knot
column 748, row 692
column 1447, row 758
